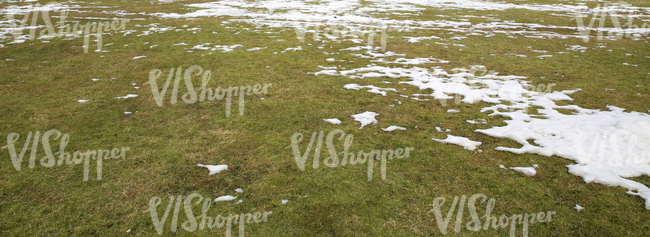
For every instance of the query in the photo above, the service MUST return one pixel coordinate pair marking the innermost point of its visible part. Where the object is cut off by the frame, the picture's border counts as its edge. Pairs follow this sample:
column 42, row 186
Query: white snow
column 333, row 121
column 365, row 118
column 418, row 39
column 127, row 96
column 373, row 89
column 239, row 190
column 477, row 121
column 393, row 128
column 256, row 49
column 410, row 61
column 214, row 169
column 355, row 15
column 294, row 49
column 138, row 57
column 608, row 146
column 222, row 48
column 578, row 207
column 82, row 101
column 461, row 141
column 225, row 198
column 530, row 171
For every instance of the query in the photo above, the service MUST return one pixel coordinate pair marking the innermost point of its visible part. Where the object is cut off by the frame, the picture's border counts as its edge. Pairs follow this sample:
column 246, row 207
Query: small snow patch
column 214, row 169
column 530, row 171
column 578, row 207
column 393, row 128
column 461, row 141
column 333, row 121
column 225, row 198
column 365, row 118
column 127, row 96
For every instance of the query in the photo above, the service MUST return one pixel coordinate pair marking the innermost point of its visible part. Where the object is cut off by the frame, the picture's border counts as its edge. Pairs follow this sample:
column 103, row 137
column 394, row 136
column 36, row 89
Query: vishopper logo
column 475, row 224
column 618, row 148
column 337, row 31
column 619, row 31
column 49, row 160
column 347, row 157
column 191, row 97
column 65, row 29
column 204, row 220
column 544, row 88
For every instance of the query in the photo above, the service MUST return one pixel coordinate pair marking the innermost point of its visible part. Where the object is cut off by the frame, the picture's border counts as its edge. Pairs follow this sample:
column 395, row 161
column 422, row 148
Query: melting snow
column 225, row 198
column 530, row 171
column 127, row 96
column 333, row 121
column 214, row 169
column 461, row 141
column 609, row 146
column 373, row 89
column 365, row 118
column 393, row 128
column 477, row 121
column 256, row 49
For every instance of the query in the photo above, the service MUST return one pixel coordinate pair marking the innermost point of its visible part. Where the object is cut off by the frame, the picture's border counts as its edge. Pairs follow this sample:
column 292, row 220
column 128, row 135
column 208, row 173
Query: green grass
column 167, row 142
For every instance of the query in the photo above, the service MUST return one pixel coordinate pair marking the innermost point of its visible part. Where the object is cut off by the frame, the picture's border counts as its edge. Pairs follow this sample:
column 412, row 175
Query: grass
column 40, row 89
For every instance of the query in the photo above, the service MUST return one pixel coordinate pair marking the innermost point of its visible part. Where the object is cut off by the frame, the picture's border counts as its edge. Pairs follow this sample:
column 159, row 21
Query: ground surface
column 514, row 55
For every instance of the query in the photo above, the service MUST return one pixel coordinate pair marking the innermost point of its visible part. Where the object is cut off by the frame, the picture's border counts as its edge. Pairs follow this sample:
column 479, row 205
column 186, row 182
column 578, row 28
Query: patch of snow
column 393, row 128
column 334, row 121
column 225, row 198
column 214, row 169
column 461, row 141
column 365, row 118
column 578, row 207
column 530, row 171
column 256, row 49
column 127, row 96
